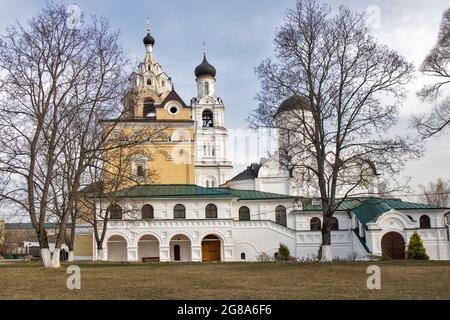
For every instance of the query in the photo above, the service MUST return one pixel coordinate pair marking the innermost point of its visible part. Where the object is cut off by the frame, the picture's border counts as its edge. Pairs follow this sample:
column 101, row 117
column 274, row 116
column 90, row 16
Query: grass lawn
column 343, row 280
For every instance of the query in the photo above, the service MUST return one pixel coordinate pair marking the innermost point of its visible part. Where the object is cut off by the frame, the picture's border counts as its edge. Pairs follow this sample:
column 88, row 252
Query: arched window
column 425, row 222
column 147, row 212
column 149, row 82
column 210, row 182
column 242, row 256
column 334, row 223
column 149, row 109
column 179, row 212
column 115, row 212
column 315, row 224
column 206, row 88
column 244, row 214
column 207, row 117
column 280, row 215
column 211, row 211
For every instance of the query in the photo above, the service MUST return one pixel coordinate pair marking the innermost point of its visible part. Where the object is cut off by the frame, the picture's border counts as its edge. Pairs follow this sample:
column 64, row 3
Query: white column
column 132, row 254
column 164, row 253
column 196, row 253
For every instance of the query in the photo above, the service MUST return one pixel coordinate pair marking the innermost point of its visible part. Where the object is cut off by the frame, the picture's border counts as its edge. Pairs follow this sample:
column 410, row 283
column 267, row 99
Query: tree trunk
column 327, row 255
column 100, row 254
column 55, row 262
column 71, row 257
column 46, row 257
column 70, row 240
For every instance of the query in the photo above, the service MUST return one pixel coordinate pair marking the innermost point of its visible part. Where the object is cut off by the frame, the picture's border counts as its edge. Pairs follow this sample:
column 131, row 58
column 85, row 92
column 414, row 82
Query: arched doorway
column 148, row 248
column 393, row 246
column 117, row 248
column 211, row 248
column 180, row 248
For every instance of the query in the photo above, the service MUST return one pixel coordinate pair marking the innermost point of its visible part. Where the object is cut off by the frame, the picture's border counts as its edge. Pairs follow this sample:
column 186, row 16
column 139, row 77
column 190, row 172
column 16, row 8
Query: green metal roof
column 194, row 191
column 382, row 204
column 372, row 208
column 28, row 225
column 256, row 195
column 369, row 209
column 170, row 191
column 348, row 204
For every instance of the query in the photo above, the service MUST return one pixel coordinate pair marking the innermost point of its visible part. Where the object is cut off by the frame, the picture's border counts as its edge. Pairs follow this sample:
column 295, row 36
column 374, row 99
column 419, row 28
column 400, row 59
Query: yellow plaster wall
column 170, row 156
column 183, row 114
column 83, row 245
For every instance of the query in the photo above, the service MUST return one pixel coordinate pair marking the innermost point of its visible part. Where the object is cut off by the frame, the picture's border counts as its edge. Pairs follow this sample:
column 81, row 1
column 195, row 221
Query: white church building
column 245, row 216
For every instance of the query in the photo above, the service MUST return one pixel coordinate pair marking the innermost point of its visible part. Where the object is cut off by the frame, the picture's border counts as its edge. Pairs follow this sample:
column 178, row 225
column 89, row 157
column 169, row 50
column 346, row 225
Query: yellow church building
column 156, row 128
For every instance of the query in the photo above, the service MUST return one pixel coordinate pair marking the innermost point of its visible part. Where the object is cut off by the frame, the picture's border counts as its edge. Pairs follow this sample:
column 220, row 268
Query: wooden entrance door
column 176, row 252
column 393, row 246
column 210, row 249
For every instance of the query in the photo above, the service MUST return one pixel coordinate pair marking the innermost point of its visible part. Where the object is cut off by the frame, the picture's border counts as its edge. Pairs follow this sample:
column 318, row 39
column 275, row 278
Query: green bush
column 416, row 250
column 283, row 252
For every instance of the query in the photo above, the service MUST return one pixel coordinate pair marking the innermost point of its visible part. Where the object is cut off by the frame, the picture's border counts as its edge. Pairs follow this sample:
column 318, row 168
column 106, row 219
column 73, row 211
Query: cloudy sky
column 239, row 35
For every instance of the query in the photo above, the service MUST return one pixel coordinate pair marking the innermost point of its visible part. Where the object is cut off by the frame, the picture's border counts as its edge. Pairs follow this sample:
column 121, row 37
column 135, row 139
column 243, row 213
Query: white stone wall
column 255, row 237
column 167, row 233
column 259, row 235
column 308, row 244
column 248, row 184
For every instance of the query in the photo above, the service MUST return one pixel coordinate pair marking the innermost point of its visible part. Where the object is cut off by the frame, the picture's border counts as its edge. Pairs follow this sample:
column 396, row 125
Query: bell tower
column 212, row 167
column 159, row 124
column 149, row 82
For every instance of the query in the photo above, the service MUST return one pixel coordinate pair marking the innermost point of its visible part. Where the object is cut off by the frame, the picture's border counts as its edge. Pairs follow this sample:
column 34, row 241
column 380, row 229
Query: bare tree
column 110, row 174
column 345, row 90
column 437, row 66
column 50, row 73
column 436, row 193
column 2, row 236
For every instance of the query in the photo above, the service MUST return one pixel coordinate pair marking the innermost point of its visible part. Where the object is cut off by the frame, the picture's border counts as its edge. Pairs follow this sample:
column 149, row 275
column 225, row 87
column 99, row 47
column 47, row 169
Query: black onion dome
column 294, row 103
column 205, row 68
column 149, row 39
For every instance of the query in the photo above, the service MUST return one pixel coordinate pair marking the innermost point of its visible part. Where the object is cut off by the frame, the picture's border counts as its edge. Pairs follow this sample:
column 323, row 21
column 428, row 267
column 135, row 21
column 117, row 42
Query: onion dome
column 149, row 40
column 205, row 68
